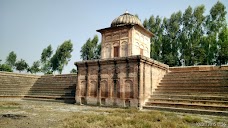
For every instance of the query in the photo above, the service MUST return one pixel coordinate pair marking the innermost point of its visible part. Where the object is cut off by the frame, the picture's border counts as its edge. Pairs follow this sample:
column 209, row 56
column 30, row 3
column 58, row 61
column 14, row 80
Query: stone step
column 192, row 75
column 192, row 87
column 19, row 87
column 192, row 101
column 51, row 94
column 11, row 96
column 187, row 110
column 191, row 93
column 194, row 97
column 15, row 85
column 191, row 80
column 188, row 105
column 193, row 84
column 51, row 89
column 195, row 81
column 14, row 88
column 200, row 72
column 53, row 83
column 183, row 78
column 55, row 92
column 12, row 91
column 222, row 90
column 50, row 98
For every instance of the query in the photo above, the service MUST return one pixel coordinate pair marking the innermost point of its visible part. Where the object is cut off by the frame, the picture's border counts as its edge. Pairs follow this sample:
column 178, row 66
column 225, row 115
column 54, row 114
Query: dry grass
column 58, row 115
column 129, row 118
column 9, row 105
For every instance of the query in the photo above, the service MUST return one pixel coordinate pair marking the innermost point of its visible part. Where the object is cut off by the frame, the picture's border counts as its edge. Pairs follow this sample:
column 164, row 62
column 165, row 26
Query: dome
column 126, row 19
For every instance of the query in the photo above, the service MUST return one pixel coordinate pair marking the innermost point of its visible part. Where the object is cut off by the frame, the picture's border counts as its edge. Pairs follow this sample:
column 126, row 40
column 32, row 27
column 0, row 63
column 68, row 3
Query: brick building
column 125, row 75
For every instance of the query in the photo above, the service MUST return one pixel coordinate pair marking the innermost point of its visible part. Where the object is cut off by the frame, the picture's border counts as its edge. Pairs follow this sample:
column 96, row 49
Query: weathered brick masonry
column 123, row 81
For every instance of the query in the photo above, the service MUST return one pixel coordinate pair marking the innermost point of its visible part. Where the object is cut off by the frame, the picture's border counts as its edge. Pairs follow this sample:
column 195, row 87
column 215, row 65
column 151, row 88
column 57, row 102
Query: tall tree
column 45, row 60
column 11, row 59
column 35, row 67
column 197, row 54
column 154, row 25
column 97, row 53
column 185, row 37
column 62, row 56
column 223, row 47
column 21, row 65
column 91, row 49
column 214, row 25
column 173, row 33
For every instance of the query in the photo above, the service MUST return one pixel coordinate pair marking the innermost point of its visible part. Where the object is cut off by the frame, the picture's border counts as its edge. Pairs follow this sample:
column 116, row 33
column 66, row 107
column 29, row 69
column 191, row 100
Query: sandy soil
column 35, row 114
column 38, row 114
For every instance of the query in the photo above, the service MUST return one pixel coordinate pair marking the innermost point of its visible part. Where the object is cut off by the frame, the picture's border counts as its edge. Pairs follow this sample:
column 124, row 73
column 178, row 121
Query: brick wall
column 122, row 81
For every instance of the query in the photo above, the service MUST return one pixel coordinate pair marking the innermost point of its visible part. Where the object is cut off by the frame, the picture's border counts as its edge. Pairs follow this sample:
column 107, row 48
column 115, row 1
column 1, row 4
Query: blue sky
column 29, row 26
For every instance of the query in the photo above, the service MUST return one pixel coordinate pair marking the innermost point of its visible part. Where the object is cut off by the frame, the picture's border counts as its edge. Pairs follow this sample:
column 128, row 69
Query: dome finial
column 126, row 11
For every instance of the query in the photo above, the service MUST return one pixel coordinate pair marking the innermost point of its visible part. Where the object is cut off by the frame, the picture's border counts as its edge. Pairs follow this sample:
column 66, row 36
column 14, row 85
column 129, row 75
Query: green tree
column 73, row 70
column 46, row 54
column 154, row 25
column 172, row 30
column 62, row 56
column 11, row 59
column 5, row 67
column 223, row 49
column 97, row 53
column 35, row 67
column 185, row 36
column 21, row 65
column 45, row 60
column 198, row 53
column 91, row 49
column 214, row 25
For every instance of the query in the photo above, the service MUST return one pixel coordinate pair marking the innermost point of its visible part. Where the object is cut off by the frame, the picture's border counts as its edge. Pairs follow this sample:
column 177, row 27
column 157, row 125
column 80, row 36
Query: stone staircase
column 53, row 88
column 15, row 85
column 193, row 91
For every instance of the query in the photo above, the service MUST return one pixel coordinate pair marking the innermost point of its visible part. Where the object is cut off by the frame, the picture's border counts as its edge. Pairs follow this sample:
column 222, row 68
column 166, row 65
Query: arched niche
column 83, row 88
column 117, row 89
column 93, row 88
column 124, row 49
column 104, row 88
column 128, row 89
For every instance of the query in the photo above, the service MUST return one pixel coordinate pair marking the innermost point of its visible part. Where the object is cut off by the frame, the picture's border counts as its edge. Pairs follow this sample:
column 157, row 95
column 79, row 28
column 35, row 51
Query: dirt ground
column 39, row 114
column 35, row 114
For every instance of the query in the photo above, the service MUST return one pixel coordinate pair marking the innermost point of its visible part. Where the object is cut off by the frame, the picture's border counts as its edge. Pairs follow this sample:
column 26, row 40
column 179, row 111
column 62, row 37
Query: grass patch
column 127, row 118
column 9, row 105
column 191, row 119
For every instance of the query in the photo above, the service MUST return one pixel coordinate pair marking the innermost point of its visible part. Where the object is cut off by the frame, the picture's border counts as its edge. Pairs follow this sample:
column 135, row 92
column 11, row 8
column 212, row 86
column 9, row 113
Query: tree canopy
column 21, row 65
column 190, row 36
column 45, row 60
column 11, row 59
column 34, row 68
column 91, row 49
column 62, row 56
column 6, row 68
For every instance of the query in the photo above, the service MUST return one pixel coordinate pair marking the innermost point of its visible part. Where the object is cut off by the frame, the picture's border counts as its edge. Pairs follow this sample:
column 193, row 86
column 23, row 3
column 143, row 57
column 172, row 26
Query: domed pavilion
column 125, row 76
column 125, row 37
